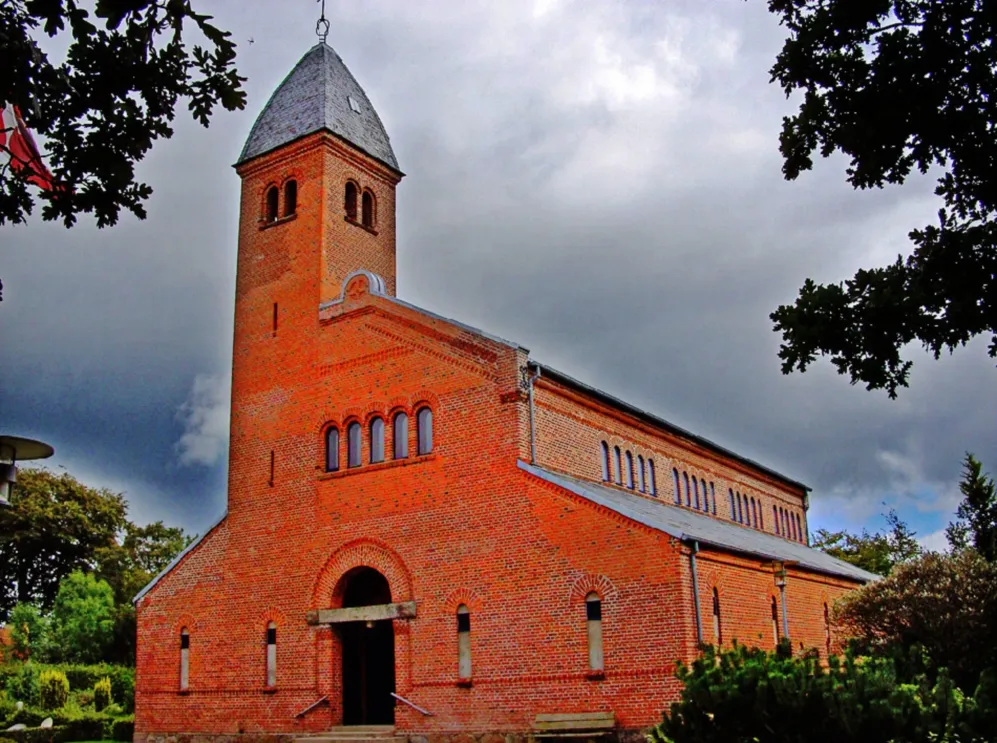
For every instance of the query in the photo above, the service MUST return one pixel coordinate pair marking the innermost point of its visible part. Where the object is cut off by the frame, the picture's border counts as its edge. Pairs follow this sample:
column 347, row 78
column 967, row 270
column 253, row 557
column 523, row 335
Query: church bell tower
column 318, row 202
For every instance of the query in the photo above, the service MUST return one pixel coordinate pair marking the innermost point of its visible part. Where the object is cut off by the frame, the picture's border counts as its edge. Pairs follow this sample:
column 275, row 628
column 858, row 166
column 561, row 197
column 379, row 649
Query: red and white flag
column 18, row 147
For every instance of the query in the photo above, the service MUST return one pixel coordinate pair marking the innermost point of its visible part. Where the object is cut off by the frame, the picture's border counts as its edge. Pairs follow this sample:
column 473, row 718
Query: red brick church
column 430, row 534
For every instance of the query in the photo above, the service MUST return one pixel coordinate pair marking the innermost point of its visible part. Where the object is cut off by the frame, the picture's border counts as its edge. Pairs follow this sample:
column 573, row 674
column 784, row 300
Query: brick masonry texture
column 461, row 525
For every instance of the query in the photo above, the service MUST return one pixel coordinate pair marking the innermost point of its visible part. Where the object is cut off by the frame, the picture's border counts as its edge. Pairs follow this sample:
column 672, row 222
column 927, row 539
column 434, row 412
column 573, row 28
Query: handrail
column 312, row 706
column 414, row 706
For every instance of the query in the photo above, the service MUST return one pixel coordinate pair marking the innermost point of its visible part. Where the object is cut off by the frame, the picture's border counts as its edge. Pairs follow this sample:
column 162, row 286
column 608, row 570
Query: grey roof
column 687, row 525
column 176, row 560
column 378, row 281
column 552, row 373
column 317, row 96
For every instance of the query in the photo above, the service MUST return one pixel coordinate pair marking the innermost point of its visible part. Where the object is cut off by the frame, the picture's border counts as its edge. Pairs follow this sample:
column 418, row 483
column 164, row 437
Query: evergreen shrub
column 53, row 689
column 102, row 694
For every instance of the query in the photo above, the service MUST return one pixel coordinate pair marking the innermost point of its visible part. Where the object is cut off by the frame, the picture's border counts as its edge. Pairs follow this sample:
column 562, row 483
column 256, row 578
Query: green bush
column 30, row 716
column 20, row 680
column 102, row 694
column 122, row 729
column 36, row 735
column 744, row 695
column 53, row 689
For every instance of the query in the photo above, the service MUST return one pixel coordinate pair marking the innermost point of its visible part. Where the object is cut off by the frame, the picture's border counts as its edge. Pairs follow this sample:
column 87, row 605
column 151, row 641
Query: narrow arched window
column 740, row 510
column 761, row 514
column 290, row 197
column 350, row 201
column 799, row 527
column 695, row 492
column 593, row 616
column 331, row 449
column 463, row 643
column 733, row 507
column 424, row 430
column 271, row 655
column 688, row 493
column 678, row 487
column 785, row 523
column 717, row 628
column 353, row 437
column 652, row 483
column 273, row 202
column 399, row 433
column 604, row 447
column 367, row 209
column 775, row 518
column 617, row 466
column 713, row 498
column 184, row 659
column 754, row 513
column 775, row 621
column 377, row 440
column 630, row 470
column 641, row 485
column 827, row 631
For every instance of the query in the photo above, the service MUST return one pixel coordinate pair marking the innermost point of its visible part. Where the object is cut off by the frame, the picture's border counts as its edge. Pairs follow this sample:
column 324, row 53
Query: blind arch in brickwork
column 586, row 584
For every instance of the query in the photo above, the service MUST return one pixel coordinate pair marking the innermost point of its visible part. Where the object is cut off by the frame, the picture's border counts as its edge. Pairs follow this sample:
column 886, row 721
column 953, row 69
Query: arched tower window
column 695, row 492
column 678, row 487
column 271, row 655
column 617, row 465
column 717, row 628
column 399, row 432
column 463, row 643
column 799, row 528
column 184, row 659
column 290, row 197
column 353, row 436
column 593, row 616
column 641, row 485
column 273, row 203
column 377, row 440
column 713, row 497
column 630, row 470
column 350, row 200
column 688, row 493
column 740, row 509
column 733, row 507
column 761, row 514
column 775, row 518
column 424, row 430
column 367, row 209
column 604, row 447
column 754, row 513
column 652, row 485
column 331, row 449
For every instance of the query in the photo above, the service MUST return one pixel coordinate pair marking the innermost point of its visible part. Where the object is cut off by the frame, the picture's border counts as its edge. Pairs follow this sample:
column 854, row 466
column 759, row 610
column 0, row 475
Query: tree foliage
column 55, row 525
column 946, row 604
column 115, row 93
column 82, row 619
column 878, row 553
column 976, row 519
column 28, row 629
column 741, row 694
column 896, row 86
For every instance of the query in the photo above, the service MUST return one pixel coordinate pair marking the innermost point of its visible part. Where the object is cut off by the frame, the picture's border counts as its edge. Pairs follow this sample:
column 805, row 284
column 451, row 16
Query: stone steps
column 354, row 734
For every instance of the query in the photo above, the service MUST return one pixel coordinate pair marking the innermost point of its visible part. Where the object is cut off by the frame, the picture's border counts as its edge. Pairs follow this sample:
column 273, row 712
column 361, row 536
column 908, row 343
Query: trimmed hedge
column 20, row 680
column 37, row 735
column 86, row 727
column 123, row 730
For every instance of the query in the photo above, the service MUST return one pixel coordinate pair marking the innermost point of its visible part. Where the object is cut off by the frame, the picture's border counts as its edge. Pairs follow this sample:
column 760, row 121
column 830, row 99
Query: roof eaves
column 548, row 371
column 176, row 560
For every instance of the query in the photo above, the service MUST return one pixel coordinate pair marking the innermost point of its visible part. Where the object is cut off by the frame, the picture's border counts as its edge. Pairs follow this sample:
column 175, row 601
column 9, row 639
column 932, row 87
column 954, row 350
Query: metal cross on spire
column 322, row 27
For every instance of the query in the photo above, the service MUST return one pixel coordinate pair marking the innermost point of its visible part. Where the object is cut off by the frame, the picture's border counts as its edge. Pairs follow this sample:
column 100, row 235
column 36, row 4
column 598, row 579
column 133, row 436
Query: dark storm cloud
column 597, row 181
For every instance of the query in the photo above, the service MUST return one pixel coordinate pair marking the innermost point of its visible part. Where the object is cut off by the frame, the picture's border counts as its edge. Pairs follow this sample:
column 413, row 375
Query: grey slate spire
column 319, row 94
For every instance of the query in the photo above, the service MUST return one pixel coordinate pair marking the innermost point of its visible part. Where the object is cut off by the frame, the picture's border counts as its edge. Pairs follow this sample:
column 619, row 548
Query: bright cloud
column 205, row 418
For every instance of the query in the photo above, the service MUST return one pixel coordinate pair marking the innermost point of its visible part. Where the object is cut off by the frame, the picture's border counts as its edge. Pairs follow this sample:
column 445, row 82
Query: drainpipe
column 780, row 582
column 531, row 378
column 695, row 592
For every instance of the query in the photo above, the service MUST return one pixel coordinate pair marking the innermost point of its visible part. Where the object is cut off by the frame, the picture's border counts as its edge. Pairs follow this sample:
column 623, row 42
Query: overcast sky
column 598, row 181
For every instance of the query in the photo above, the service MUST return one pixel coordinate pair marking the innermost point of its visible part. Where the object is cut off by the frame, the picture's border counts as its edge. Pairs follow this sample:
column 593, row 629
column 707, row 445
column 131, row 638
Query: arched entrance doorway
column 368, row 653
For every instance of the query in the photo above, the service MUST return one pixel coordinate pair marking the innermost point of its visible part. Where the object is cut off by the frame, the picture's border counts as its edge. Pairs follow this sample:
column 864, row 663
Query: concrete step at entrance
column 355, row 734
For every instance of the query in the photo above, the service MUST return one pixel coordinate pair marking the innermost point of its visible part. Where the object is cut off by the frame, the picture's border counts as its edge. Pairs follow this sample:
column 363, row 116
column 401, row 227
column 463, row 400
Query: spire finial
column 322, row 27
